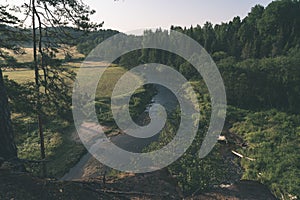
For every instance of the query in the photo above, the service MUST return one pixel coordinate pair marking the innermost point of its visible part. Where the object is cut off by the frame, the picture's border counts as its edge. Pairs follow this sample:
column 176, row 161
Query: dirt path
column 80, row 170
column 77, row 171
column 87, row 164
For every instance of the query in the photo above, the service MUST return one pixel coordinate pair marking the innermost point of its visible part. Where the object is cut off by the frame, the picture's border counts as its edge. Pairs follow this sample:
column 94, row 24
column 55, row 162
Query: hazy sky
column 126, row 15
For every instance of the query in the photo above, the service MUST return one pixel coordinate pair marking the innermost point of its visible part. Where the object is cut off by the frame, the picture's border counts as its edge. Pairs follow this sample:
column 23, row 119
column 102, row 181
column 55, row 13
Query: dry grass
column 28, row 54
column 23, row 75
column 20, row 75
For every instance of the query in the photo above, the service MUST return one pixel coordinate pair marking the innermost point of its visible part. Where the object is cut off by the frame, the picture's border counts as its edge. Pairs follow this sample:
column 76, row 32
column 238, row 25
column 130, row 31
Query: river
column 163, row 97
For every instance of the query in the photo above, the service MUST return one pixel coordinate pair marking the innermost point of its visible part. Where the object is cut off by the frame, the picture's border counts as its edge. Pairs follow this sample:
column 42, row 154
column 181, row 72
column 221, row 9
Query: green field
column 105, row 86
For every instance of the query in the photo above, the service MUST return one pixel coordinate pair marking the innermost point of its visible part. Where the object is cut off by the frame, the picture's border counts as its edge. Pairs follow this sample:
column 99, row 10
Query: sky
column 128, row 15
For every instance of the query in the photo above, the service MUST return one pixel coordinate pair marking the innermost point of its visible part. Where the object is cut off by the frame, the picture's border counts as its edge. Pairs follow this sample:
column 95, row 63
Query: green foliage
column 61, row 152
column 263, row 83
column 192, row 173
column 87, row 42
column 273, row 139
column 188, row 70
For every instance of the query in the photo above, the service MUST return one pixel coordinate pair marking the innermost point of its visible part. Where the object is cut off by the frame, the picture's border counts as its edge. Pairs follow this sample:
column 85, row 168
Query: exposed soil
column 242, row 190
column 20, row 186
column 157, row 185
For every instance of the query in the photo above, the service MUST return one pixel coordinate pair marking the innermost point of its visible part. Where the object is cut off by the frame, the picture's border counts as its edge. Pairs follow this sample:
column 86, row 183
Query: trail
column 124, row 141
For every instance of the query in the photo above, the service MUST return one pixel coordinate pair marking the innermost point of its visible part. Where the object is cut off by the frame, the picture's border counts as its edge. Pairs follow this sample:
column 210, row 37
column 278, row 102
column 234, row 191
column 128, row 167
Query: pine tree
column 50, row 20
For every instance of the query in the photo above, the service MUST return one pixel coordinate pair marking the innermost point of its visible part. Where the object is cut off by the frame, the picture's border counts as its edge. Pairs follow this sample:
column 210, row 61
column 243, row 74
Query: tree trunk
column 37, row 84
column 8, row 149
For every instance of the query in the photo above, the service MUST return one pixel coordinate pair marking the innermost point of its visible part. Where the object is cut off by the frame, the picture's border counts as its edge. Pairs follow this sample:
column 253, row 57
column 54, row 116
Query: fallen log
column 241, row 156
column 117, row 192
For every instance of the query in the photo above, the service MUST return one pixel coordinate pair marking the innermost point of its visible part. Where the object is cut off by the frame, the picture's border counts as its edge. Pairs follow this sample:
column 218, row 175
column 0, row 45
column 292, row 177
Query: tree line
column 264, row 32
column 257, row 56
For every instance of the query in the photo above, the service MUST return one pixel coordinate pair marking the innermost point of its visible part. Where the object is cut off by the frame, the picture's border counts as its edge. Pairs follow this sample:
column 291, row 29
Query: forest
column 258, row 57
